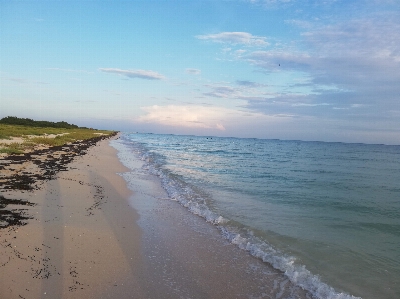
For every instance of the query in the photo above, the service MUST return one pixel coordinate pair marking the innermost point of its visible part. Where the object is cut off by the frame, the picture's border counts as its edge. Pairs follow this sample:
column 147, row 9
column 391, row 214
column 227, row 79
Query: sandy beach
column 75, row 245
column 78, row 231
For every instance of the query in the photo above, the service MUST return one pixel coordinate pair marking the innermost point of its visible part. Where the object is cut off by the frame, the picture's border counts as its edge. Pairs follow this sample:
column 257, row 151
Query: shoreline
column 187, row 257
column 88, row 236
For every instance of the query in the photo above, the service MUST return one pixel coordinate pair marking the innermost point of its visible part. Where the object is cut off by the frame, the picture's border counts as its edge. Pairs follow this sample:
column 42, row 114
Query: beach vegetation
column 12, row 148
column 13, row 120
column 67, row 137
column 18, row 138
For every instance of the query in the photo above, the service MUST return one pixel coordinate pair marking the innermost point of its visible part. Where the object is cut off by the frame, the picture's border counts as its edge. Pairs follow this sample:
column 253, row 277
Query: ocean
column 325, row 214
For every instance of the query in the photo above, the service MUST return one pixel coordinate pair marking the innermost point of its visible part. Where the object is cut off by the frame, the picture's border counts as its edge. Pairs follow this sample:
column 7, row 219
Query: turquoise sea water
column 326, row 214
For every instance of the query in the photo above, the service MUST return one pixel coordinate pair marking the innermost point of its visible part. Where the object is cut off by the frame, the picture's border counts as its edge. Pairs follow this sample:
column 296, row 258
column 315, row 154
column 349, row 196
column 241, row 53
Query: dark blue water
column 327, row 214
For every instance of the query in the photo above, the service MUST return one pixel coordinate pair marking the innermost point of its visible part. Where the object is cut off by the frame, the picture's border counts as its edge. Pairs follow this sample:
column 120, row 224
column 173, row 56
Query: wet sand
column 74, row 230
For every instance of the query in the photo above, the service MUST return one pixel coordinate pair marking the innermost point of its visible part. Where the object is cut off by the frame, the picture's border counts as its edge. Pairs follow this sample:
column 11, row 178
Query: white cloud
column 141, row 74
column 222, row 92
column 193, row 71
column 359, row 60
column 243, row 90
column 240, row 52
column 184, row 116
column 309, row 105
column 358, row 106
column 360, row 55
column 220, row 127
column 202, row 117
column 243, row 38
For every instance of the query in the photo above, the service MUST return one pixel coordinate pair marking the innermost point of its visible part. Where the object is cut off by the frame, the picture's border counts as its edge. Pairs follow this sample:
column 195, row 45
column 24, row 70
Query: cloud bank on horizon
column 288, row 69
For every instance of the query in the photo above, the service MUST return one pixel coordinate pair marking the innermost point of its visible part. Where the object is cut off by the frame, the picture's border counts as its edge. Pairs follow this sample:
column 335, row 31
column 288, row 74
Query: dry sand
column 89, row 236
column 78, row 244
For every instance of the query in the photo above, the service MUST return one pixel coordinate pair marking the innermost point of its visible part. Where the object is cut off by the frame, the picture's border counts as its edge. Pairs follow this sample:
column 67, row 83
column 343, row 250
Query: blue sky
column 287, row 69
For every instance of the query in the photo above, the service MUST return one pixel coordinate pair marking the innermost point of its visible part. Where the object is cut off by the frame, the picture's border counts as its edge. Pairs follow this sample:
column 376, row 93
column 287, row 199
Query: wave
column 197, row 203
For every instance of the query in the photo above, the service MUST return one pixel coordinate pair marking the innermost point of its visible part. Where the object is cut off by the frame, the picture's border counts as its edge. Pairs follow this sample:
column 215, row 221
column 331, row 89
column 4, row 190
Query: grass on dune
column 7, row 131
column 12, row 148
column 72, row 136
column 35, row 135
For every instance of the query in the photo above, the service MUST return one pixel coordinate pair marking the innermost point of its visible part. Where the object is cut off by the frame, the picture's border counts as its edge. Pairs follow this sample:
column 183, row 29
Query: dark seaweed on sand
column 50, row 162
column 11, row 217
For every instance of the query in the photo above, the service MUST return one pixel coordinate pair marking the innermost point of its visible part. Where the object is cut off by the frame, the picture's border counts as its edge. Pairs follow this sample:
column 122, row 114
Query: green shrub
column 13, row 120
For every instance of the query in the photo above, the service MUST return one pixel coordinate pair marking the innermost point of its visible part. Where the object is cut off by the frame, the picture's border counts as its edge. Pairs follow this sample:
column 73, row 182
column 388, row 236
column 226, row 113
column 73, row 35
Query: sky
column 315, row 70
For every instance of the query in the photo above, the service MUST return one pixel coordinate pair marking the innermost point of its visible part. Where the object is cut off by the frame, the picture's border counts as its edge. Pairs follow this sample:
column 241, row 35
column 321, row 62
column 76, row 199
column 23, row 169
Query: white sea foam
column 298, row 274
column 180, row 191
